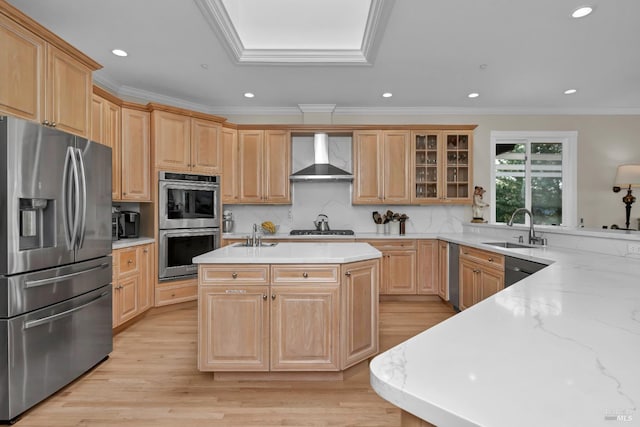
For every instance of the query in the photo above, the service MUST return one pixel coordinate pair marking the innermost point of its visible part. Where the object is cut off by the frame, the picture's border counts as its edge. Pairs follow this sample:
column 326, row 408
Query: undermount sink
column 508, row 245
column 262, row 245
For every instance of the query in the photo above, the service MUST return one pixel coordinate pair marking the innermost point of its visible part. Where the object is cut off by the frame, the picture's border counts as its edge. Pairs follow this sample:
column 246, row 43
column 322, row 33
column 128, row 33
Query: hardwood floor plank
column 151, row 379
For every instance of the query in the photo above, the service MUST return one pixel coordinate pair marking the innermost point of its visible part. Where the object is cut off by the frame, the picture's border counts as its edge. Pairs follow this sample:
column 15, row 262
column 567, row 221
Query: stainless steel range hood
column 321, row 170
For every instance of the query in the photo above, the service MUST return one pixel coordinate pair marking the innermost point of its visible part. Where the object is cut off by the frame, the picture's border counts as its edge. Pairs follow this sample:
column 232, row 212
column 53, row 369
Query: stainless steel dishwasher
column 516, row 269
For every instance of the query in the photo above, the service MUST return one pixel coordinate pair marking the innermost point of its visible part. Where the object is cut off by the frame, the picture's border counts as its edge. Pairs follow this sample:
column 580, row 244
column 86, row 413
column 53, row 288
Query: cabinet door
column 22, row 71
column 468, row 271
column 234, row 328
column 277, row 157
column 171, row 136
column 304, row 328
column 367, row 167
column 127, row 295
column 457, row 167
column 396, row 167
column 68, row 93
column 491, row 282
column 443, row 271
column 250, row 148
column 359, row 302
column 399, row 273
column 427, row 169
column 112, row 133
column 147, row 284
column 427, row 266
column 136, row 156
column 205, row 147
column 229, row 184
column 97, row 118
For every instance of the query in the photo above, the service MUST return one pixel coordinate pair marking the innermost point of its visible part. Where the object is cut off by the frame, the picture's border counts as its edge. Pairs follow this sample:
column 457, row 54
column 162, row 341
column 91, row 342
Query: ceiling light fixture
column 473, row 95
column 249, row 95
column 387, row 95
column 119, row 52
column 205, row 66
column 582, row 11
column 570, row 91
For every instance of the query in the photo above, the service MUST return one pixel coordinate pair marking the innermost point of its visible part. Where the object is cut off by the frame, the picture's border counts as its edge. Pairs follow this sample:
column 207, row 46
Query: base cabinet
column 481, row 275
column 398, row 271
column 287, row 318
column 132, row 285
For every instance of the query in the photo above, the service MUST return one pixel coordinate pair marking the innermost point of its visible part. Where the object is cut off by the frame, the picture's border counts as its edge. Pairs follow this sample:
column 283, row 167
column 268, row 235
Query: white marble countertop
column 559, row 348
column 291, row 253
column 357, row 235
column 126, row 243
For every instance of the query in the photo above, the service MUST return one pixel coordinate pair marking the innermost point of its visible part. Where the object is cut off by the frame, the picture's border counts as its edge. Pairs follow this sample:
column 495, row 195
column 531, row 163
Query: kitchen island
column 559, row 348
column 292, row 310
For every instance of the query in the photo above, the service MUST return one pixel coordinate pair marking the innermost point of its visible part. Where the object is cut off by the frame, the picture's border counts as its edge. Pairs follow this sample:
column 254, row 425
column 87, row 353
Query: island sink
column 507, row 245
column 261, row 245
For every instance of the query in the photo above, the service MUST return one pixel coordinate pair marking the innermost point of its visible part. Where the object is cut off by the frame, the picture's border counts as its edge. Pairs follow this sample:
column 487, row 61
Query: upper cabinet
column 185, row 143
column 442, row 167
column 381, row 164
column 264, row 166
column 106, row 130
column 42, row 77
column 229, row 185
column 135, row 154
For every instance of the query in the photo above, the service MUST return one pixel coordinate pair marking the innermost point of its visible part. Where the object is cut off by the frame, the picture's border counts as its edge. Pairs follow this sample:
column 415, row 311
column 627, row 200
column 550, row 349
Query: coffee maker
column 129, row 224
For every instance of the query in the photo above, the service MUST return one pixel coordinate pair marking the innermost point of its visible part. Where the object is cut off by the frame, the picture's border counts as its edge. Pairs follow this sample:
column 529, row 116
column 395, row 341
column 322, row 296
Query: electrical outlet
column 633, row 248
column 290, row 215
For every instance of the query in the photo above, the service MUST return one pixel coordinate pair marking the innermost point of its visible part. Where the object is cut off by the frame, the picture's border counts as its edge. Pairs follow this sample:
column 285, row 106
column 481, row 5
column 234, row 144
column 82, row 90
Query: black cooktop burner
column 321, row 233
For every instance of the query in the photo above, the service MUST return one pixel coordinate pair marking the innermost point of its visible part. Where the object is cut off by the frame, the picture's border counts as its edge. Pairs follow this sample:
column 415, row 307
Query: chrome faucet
column 533, row 239
column 254, row 235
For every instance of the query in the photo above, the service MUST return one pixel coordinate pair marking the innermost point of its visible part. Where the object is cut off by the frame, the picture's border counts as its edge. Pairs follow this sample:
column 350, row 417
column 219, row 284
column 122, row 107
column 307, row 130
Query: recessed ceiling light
column 570, row 91
column 249, row 95
column 205, row 66
column 473, row 95
column 582, row 11
column 387, row 95
column 119, row 52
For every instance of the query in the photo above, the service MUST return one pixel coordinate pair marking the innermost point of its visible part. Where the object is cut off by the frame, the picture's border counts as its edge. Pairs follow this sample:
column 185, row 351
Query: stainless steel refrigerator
column 55, row 268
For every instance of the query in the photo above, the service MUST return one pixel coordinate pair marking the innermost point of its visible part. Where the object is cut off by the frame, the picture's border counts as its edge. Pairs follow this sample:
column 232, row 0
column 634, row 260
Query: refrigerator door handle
column 62, row 277
column 67, row 191
column 83, row 183
column 33, row 323
column 76, row 198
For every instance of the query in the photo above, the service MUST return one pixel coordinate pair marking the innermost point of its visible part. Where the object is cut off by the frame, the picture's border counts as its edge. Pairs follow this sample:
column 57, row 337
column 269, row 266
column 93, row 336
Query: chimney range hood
column 321, row 170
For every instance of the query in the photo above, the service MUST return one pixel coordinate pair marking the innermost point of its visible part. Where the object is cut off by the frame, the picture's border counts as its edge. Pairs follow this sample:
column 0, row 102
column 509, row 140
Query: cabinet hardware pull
column 264, row 297
column 490, row 259
column 146, row 251
column 348, row 274
column 53, row 124
column 273, row 296
column 234, row 275
column 129, row 261
column 305, row 275
column 46, row 123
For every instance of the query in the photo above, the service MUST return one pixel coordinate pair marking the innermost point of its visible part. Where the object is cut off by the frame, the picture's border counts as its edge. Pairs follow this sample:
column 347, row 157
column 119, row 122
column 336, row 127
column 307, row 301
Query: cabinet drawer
column 281, row 274
column 483, row 257
column 127, row 261
column 239, row 273
column 391, row 244
column 176, row 294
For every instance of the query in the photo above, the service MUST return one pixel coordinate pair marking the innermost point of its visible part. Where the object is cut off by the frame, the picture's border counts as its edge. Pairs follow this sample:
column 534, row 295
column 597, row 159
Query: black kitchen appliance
column 129, row 224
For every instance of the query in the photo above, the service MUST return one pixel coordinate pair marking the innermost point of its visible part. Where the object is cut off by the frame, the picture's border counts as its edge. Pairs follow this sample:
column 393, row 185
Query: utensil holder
column 395, row 227
column 402, row 228
column 379, row 228
column 387, row 228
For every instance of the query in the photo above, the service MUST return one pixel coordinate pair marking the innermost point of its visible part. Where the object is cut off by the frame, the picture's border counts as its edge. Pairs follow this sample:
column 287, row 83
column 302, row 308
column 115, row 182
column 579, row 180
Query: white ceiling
column 519, row 56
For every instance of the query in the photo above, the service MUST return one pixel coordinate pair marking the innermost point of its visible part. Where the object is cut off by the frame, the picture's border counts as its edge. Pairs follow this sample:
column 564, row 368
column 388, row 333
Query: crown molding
column 516, row 111
column 103, row 79
column 219, row 21
column 317, row 108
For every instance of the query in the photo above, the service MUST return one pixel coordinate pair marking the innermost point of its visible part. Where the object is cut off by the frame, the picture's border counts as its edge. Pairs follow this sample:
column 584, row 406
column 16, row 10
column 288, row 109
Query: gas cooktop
column 321, row 233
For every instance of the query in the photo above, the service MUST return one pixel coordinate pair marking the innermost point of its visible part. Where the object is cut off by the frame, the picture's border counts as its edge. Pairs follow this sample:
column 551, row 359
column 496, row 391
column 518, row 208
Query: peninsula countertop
column 290, row 253
column 559, row 348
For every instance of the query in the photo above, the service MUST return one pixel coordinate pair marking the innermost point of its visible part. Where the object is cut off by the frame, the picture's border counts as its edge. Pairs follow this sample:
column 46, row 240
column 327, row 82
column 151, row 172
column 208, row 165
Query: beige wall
column 604, row 142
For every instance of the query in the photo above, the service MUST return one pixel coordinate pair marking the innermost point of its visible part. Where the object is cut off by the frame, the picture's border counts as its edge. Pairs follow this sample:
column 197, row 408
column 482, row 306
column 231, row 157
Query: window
column 537, row 171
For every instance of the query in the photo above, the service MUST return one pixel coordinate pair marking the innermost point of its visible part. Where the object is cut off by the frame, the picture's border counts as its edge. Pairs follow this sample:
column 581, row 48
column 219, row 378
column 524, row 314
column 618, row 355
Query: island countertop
column 290, row 253
column 559, row 348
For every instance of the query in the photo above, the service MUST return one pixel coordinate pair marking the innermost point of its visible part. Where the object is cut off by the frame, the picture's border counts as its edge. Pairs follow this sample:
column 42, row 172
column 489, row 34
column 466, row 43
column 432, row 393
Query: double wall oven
column 189, row 222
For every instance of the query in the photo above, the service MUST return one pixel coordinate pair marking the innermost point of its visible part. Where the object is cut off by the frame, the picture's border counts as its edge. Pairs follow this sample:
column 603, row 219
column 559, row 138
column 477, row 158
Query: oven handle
column 195, row 232
column 191, row 186
column 33, row 323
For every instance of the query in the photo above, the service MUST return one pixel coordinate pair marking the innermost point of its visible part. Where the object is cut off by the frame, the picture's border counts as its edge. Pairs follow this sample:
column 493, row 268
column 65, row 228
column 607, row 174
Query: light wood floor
column 151, row 380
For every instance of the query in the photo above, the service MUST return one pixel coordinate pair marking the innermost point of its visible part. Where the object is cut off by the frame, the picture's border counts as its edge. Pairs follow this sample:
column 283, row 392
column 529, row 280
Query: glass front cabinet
column 442, row 166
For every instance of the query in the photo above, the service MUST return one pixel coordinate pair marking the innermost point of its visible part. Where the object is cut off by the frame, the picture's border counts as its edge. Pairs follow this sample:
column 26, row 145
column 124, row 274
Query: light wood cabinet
column 398, row 267
column 229, row 185
column 428, row 267
column 442, row 167
column 481, row 275
column 40, row 81
column 285, row 317
column 264, row 166
column 443, row 270
column 106, row 129
column 359, row 300
column 381, row 164
column 185, row 143
column 135, row 155
column 132, row 284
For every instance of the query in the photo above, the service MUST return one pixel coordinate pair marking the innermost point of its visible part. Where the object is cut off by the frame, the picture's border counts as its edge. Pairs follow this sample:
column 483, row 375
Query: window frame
column 569, row 141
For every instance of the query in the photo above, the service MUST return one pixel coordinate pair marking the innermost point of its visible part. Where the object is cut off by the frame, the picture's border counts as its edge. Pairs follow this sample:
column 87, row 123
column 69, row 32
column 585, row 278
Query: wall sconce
column 627, row 176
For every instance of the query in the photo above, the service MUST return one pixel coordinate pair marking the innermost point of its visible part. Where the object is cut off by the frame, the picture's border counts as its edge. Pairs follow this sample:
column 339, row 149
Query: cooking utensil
column 322, row 223
column 377, row 218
